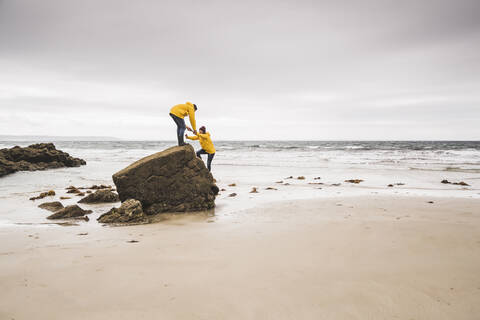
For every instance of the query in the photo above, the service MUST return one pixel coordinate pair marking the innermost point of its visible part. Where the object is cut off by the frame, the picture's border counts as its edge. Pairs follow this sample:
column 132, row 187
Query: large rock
column 100, row 196
column 40, row 156
column 169, row 181
column 130, row 212
column 72, row 211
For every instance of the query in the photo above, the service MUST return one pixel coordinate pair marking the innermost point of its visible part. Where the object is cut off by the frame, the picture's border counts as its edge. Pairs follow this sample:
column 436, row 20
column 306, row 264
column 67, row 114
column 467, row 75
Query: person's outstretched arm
column 191, row 116
column 191, row 137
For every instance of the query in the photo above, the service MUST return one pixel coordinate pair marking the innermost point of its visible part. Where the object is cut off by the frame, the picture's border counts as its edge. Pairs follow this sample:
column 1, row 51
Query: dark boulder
column 51, row 206
column 100, row 196
column 40, row 156
column 130, row 212
column 173, row 180
column 72, row 211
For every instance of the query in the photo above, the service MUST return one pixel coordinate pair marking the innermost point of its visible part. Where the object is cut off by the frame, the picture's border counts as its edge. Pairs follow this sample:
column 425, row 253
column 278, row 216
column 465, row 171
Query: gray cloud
column 257, row 69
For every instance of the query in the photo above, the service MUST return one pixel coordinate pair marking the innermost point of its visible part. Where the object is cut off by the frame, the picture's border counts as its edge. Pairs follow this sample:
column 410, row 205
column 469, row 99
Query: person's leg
column 209, row 161
column 180, row 128
column 200, row 152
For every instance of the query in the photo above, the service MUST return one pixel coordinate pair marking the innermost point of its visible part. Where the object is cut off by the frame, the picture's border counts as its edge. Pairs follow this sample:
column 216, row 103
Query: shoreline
column 332, row 258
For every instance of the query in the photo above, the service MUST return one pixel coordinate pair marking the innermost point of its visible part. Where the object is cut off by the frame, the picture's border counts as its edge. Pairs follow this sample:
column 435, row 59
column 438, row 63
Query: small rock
column 336, row 184
column 74, row 190
column 130, row 212
column 291, row 177
column 89, row 191
column 301, row 178
column 445, row 181
column 317, row 178
column 232, row 194
column 65, row 198
column 271, row 188
column 390, row 186
column 82, row 234
column 461, row 183
column 80, row 194
column 132, row 241
column 42, row 195
column 354, row 180
column 69, row 212
column 51, row 206
column 232, row 185
column 430, row 201
column 223, row 189
column 281, row 181
column 100, row 196
column 254, row 190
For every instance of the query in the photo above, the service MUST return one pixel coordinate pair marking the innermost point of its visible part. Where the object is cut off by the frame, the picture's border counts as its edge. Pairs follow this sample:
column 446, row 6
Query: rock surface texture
column 100, row 196
column 173, row 180
column 130, row 212
column 39, row 156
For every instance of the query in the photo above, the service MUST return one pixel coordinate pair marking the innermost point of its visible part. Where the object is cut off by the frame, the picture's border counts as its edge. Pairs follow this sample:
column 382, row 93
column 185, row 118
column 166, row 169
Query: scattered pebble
column 232, row 194
column 317, row 178
column 65, row 198
column 390, row 186
column 223, row 189
column 301, row 178
column 271, row 188
column 232, row 185
column 254, row 190
column 132, row 241
column 82, row 234
column 281, row 181
column 430, row 201
column 336, row 184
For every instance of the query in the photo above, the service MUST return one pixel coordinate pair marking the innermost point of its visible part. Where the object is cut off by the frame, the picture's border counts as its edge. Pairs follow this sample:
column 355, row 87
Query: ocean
column 416, row 168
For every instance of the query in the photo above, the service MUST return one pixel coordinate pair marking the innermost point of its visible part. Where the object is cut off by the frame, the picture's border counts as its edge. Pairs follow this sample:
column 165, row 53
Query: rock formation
column 100, row 196
column 39, row 156
column 72, row 211
column 173, row 180
column 130, row 212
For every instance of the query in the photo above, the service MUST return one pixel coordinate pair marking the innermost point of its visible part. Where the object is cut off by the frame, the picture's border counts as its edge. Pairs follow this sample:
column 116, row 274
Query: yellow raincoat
column 205, row 141
column 182, row 110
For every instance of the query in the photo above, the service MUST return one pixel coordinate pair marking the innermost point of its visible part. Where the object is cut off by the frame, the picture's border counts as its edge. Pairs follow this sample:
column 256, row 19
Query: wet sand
column 369, row 257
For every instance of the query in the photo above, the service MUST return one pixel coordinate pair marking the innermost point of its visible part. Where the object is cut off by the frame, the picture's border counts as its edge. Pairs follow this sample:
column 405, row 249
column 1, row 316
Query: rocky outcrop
column 72, row 211
column 100, row 196
column 51, row 206
column 173, row 180
column 130, row 212
column 39, row 156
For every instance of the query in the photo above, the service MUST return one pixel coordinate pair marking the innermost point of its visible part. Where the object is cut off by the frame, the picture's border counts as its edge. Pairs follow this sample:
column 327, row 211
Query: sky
column 257, row 70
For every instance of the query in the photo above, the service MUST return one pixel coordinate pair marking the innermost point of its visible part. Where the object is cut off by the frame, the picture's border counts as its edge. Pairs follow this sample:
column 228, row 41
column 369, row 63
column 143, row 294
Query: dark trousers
column 181, row 127
column 209, row 160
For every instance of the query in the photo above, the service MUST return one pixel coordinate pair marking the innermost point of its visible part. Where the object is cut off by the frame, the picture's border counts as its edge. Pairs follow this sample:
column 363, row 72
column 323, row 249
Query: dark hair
column 202, row 128
column 195, row 107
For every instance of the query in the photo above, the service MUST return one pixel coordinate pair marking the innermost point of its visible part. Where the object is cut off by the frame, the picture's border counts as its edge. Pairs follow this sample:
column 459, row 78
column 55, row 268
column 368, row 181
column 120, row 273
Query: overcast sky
column 317, row 70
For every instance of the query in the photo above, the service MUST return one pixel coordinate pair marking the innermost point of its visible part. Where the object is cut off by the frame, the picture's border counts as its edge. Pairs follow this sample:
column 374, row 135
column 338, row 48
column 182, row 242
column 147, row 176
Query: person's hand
column 189, row 129
column 195, row 131
column 186, row 135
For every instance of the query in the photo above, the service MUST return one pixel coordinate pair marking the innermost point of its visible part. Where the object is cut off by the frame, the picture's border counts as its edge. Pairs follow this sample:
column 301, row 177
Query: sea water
column 416, row 168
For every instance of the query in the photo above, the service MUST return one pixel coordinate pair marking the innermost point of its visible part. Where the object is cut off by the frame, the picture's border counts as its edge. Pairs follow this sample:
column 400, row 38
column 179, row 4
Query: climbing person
column 206, row 143
column 178, row 113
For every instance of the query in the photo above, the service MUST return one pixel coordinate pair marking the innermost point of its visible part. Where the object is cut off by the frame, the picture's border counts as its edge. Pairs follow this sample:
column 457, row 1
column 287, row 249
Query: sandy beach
column 368, row 257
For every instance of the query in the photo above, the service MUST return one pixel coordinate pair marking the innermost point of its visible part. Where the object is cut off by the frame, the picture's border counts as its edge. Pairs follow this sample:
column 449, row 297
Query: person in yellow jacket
column 206, row 143
column 178, row 113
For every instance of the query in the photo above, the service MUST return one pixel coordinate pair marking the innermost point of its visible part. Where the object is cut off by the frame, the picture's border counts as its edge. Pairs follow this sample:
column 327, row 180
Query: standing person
column 206, row 143
column 178, row 113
